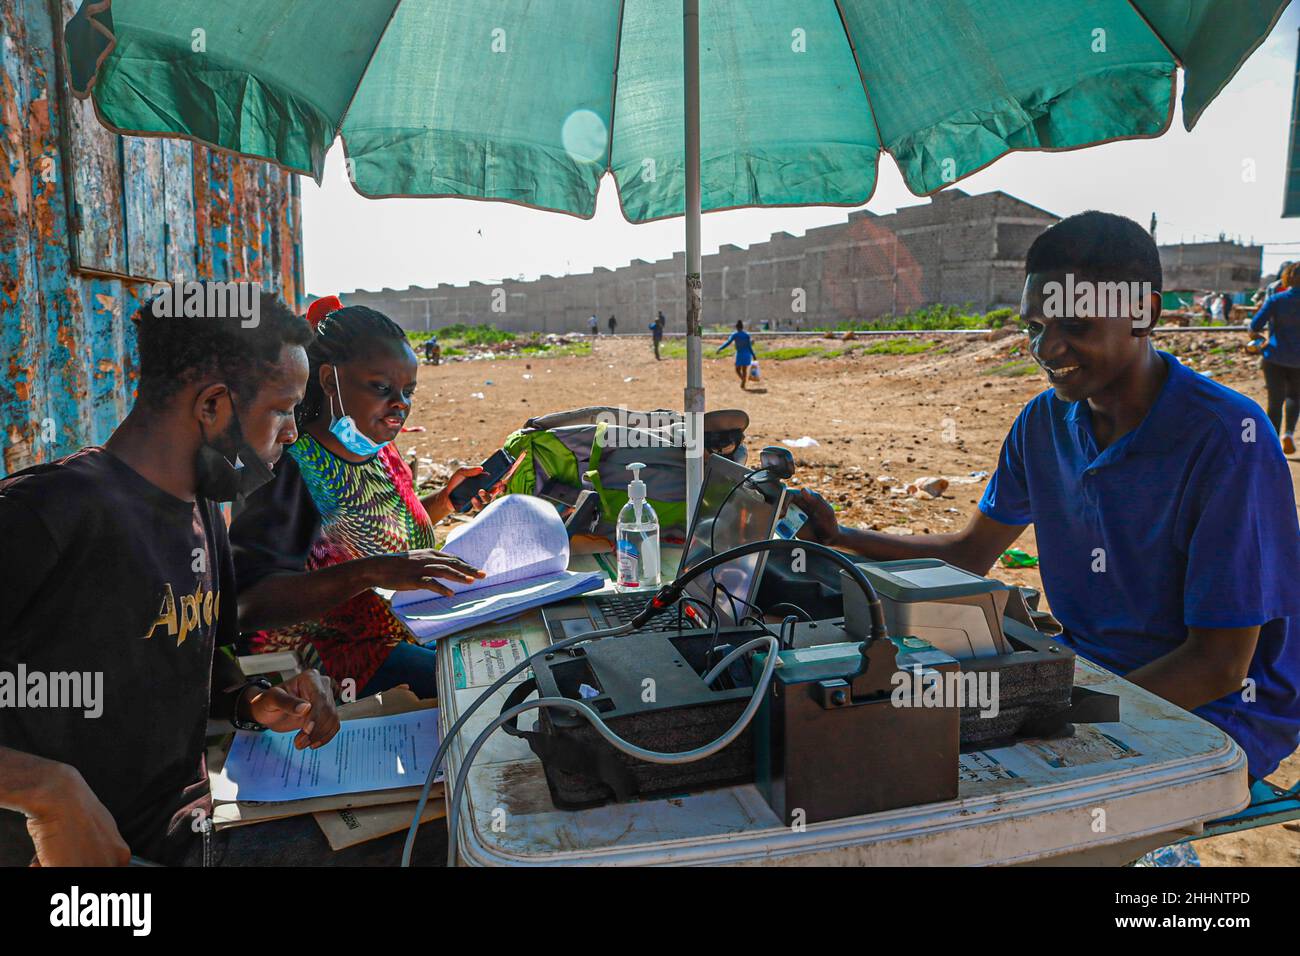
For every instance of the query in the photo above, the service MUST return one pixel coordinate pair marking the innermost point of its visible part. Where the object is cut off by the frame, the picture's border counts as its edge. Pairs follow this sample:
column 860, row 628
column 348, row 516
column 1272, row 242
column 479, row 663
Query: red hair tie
column 321, row 308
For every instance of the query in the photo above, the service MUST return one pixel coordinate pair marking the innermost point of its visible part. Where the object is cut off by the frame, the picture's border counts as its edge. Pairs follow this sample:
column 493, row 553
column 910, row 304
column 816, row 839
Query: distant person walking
column 1280, row 358
column 744, row 352
column 657, row 334
column 593, row 324
column 613, row 324
column 1279, row 284
column 1216, row 307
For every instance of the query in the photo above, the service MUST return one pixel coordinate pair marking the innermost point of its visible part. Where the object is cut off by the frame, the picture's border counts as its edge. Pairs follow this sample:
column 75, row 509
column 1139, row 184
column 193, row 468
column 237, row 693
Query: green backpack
column 589, row 449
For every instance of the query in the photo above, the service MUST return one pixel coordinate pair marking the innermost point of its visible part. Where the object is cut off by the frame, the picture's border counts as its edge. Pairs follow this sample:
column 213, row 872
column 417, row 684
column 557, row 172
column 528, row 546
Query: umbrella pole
column 694, row 397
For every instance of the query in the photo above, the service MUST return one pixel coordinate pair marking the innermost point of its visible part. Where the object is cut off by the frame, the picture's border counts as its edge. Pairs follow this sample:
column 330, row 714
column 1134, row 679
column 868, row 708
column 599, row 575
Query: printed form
column 370, row 753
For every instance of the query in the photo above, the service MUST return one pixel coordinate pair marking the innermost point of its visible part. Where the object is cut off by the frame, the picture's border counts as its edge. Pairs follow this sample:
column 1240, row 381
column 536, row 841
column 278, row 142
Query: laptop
column 730, row 512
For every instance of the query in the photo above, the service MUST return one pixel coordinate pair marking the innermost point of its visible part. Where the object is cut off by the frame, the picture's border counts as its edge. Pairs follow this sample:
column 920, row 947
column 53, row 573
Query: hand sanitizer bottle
column 638, row 538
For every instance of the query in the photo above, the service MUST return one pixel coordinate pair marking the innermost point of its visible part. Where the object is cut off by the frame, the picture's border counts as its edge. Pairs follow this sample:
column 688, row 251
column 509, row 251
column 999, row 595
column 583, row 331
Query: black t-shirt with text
column 105, row 573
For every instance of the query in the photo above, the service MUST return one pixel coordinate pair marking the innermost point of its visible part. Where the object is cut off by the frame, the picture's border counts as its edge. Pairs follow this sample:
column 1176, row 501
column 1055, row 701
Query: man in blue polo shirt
column 1163, row 506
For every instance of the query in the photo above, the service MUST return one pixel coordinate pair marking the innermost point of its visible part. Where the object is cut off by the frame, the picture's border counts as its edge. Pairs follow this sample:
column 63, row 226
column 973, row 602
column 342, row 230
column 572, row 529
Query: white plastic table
column 1103, row 797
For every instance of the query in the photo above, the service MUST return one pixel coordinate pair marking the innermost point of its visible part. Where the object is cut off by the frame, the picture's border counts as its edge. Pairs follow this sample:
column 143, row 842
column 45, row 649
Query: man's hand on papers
column 304, row 703
column 416, row 571
column 74, row 828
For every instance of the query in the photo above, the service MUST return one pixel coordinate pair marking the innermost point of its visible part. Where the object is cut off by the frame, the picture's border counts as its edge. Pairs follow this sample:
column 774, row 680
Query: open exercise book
column 521, row 544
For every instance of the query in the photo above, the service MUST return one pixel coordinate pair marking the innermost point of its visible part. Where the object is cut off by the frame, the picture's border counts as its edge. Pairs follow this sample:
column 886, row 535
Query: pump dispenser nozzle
column 636, row 487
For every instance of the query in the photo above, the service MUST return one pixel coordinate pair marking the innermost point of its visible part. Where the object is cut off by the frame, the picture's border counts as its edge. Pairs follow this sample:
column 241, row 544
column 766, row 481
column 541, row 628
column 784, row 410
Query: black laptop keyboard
column 621, row 608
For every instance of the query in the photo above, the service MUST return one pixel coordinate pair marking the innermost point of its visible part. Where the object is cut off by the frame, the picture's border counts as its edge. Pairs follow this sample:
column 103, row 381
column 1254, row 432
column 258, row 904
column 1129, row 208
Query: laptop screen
column 746, row 515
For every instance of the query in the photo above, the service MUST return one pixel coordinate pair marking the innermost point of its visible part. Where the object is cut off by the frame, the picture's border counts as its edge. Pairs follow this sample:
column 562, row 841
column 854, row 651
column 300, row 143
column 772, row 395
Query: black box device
column 1025, row 677
column 833, row 739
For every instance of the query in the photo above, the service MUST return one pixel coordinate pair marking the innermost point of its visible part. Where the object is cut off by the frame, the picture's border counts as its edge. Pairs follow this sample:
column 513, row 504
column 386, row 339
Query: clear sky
column 1199, row 184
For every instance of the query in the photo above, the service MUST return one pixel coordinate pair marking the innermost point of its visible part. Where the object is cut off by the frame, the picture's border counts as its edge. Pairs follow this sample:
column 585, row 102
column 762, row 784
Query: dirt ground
column 942, row 412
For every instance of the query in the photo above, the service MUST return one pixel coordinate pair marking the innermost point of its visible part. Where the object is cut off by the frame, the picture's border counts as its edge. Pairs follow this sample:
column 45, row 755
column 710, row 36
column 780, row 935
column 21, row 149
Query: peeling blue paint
column 142, row 209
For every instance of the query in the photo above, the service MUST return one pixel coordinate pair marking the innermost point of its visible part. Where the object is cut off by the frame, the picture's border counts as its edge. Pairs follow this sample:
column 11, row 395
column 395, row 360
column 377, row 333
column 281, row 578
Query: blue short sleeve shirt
column 1281, row 314
column 1189, row 520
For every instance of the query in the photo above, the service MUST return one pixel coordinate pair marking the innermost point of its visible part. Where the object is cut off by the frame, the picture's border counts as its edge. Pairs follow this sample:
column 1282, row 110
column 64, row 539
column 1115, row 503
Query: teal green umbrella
column 533, row 101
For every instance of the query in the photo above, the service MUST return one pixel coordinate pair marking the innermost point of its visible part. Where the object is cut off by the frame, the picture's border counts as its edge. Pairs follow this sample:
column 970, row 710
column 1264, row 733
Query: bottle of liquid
column 638, row 538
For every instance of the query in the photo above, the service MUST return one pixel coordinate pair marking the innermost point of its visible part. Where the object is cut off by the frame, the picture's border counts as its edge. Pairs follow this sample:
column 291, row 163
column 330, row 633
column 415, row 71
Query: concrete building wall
column 1221, row 266
column 957, row 249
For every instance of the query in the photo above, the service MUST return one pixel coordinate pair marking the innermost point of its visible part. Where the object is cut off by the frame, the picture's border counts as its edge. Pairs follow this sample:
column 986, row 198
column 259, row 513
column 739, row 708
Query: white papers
column 521, row 544
column 515, row 537
column 430, row 616
column 371, row 753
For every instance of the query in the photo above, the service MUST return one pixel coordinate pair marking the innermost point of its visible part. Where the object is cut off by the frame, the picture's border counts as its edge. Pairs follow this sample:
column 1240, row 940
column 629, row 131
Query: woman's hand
column 439, row 505
column 417, row 570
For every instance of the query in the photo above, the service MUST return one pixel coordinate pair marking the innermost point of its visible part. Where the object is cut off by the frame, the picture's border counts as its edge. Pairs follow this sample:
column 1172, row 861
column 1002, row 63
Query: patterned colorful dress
column 367, row 508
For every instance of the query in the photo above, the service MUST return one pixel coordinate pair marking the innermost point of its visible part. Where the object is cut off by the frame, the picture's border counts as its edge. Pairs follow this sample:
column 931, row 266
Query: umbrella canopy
column 713, row 104
column 532, row 101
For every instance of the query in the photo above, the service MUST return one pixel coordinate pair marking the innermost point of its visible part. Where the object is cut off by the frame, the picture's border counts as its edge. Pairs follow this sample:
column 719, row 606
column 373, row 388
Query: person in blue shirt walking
column 1280, row 358
column 1162, row 504
column 744, row 352
column 657, row 333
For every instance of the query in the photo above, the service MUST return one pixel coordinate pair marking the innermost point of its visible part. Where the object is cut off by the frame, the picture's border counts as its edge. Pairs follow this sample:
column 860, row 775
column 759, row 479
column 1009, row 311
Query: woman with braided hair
column 342, row 516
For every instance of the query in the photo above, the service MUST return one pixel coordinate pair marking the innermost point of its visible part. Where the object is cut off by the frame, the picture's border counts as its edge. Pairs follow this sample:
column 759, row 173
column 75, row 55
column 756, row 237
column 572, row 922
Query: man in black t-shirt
column 119, row 585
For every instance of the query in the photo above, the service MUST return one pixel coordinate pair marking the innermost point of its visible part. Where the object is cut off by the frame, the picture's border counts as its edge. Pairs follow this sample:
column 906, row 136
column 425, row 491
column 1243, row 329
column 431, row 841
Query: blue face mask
column 345, row 429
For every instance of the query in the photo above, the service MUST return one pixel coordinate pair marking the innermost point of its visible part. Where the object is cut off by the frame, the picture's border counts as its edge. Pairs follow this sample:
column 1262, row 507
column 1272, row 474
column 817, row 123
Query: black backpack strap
column 568, row 755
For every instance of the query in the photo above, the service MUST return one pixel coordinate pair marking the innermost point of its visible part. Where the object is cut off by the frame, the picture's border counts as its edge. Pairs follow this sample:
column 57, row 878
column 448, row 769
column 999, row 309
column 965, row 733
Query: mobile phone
column 790, row 522
column 585, row 512
column 496, row 468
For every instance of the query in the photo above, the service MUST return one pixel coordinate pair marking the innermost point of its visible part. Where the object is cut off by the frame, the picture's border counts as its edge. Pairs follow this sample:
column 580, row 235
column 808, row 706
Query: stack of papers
column 346, row 818
column 520, row 543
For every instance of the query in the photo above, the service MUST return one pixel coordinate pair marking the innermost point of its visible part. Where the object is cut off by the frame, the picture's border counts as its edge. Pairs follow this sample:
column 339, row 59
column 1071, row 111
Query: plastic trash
column 804, row 442
column 1015, row 558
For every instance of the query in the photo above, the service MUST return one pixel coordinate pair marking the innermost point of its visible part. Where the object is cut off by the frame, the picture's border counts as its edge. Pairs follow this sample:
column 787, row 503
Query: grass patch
column 477, row 334
column 1015, row 368
column 556, row 351
column 789, row 352
column 899, row 347
column 932, row 317
column 464, row 335
column 461, row 340
column 676, row 349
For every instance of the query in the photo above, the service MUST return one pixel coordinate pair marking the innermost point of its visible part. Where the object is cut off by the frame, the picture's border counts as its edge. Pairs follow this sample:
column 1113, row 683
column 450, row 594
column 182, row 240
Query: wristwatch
column 239, row 722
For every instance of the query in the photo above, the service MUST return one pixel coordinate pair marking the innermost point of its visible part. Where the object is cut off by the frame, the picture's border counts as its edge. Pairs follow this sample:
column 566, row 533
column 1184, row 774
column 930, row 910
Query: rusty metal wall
column 134, row 210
